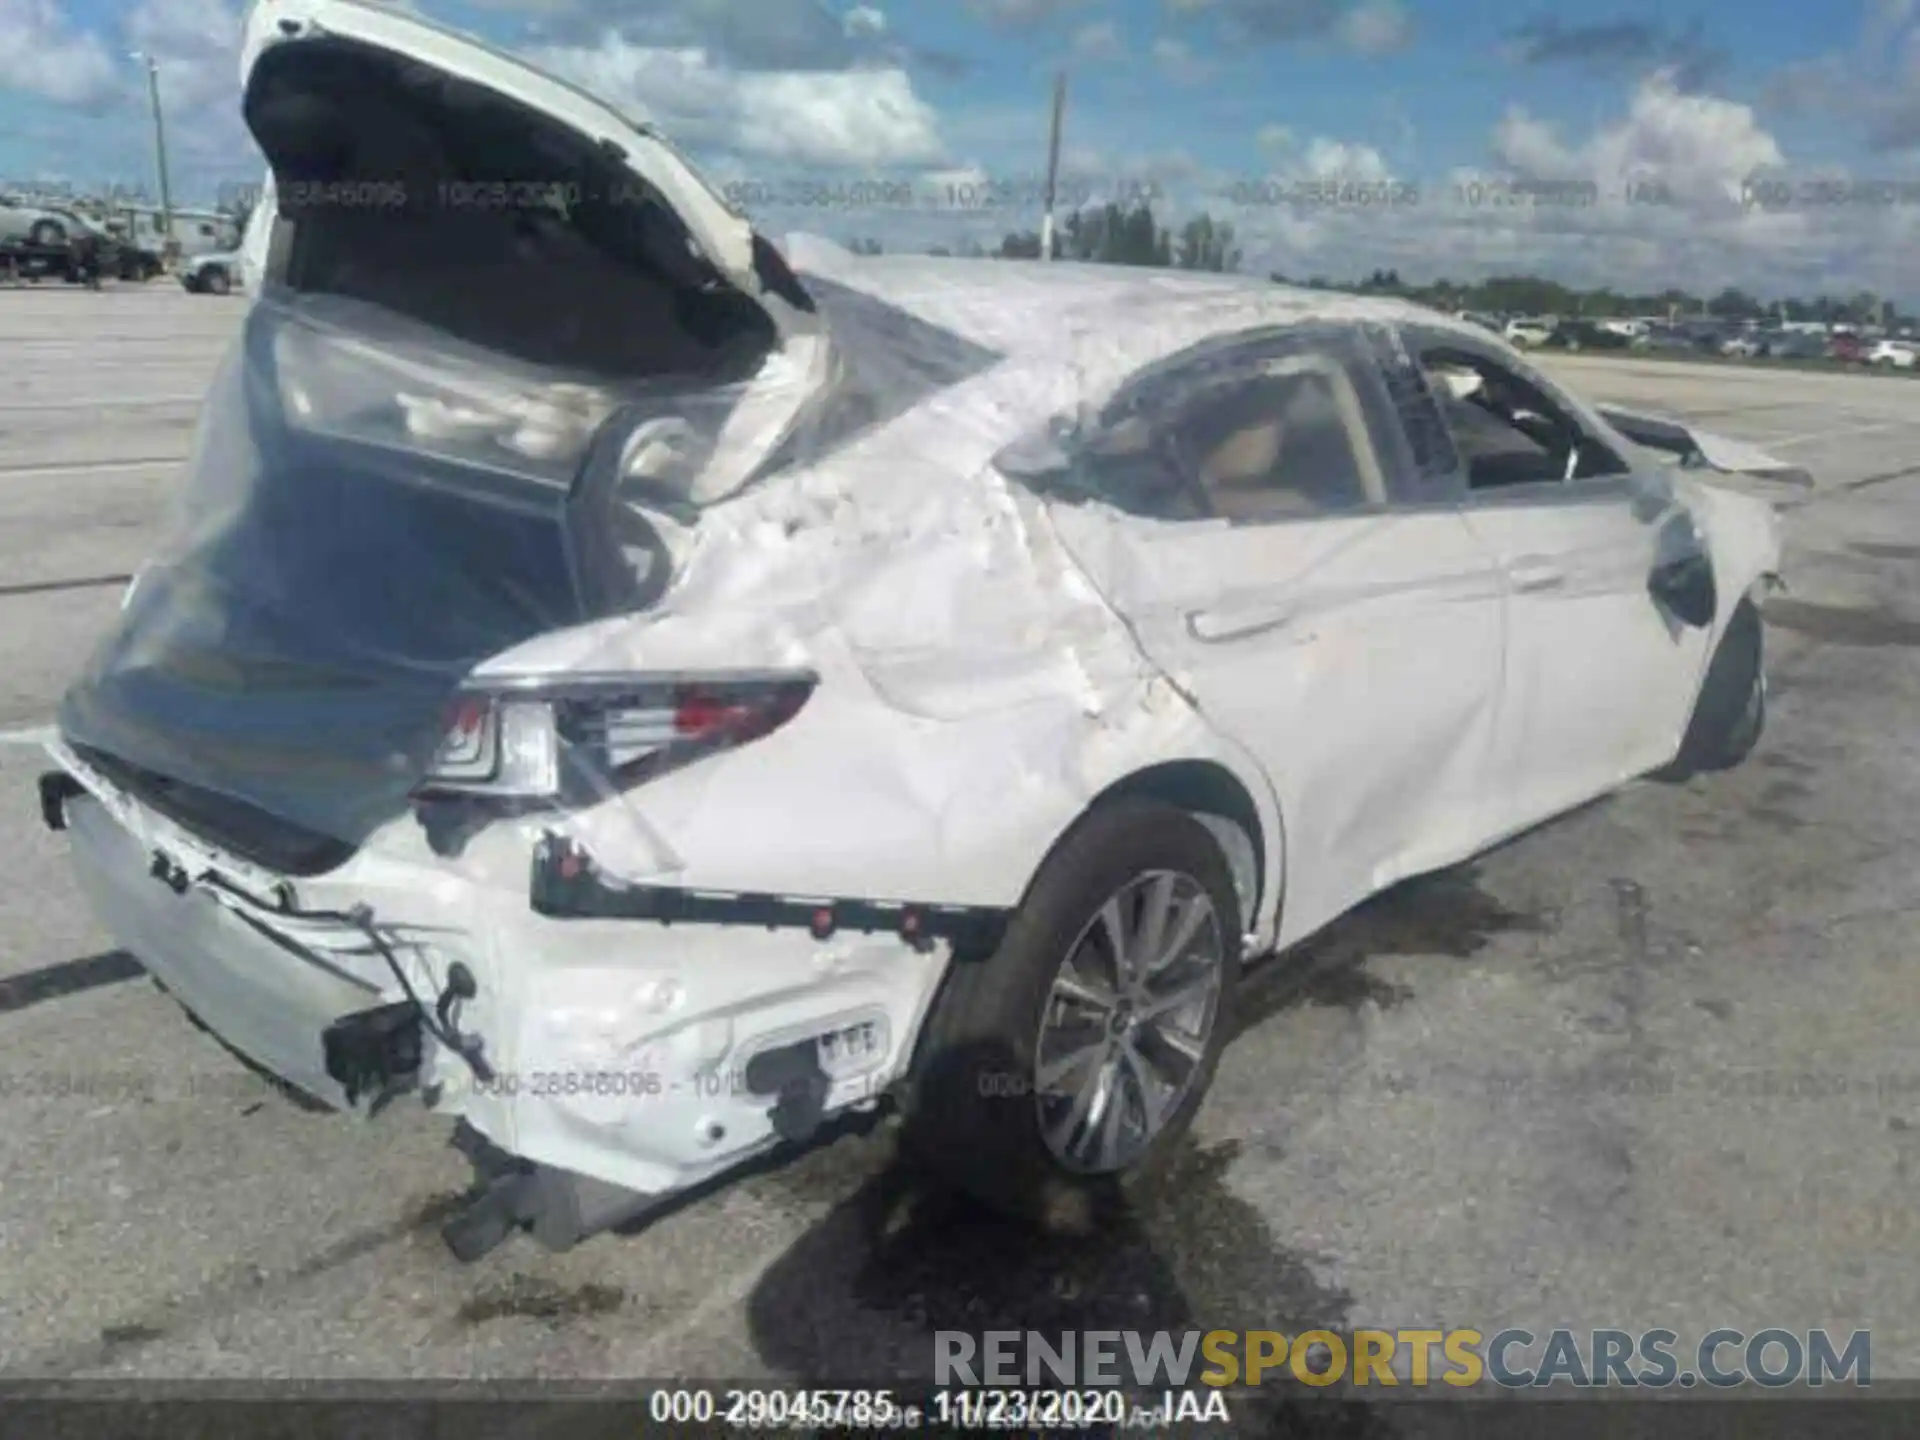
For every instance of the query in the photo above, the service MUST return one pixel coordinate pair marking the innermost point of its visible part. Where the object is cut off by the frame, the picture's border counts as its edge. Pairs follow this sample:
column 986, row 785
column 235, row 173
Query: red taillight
column 466, row 719
column 700, row 713
column 466, row 737
column 591, row 739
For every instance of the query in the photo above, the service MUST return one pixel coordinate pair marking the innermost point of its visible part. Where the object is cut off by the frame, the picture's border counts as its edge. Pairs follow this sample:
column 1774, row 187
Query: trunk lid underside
column 400, row 468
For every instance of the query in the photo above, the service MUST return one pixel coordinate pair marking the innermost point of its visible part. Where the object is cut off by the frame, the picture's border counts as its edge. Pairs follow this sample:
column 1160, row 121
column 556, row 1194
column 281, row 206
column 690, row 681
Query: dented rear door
column 1350, row 642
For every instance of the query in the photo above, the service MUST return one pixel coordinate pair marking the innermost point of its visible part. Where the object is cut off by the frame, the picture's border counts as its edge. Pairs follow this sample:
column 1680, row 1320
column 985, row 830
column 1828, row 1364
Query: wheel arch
column 1229, row 805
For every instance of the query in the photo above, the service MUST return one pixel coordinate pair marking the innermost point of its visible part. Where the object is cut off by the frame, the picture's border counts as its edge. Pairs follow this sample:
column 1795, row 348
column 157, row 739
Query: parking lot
column 1652, row 1065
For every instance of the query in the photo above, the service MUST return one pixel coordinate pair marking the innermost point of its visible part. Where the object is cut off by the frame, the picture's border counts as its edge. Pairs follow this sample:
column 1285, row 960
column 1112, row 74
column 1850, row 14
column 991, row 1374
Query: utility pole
column 159, row 148
column 1053, row 163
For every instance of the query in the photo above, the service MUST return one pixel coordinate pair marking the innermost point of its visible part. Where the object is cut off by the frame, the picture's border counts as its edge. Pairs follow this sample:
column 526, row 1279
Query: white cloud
column 1701, row 148
column 1098, row 41
column 196, row 45
column 1081, row 160
column 801, row 117
column 41, row 54
column 1376, row 27
column 1559, row 206
column 1329, row 159
column 794, row 117
column 1178, row 62
column 864, row 22
column 747, row 34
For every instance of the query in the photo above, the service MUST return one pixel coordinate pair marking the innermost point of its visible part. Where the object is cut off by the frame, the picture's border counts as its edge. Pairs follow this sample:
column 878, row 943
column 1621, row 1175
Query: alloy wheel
column 1127, row 1021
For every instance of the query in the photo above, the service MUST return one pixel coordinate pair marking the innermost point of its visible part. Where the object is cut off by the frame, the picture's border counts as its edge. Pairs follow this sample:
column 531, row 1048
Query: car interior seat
column 1292, row 456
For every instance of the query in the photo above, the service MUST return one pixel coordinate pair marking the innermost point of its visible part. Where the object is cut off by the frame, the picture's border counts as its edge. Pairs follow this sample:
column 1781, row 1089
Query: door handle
column 1216, row 626
column 1535, row 573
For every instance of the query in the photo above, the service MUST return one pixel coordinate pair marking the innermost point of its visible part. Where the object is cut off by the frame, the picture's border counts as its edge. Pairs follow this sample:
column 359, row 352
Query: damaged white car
column 648, row 695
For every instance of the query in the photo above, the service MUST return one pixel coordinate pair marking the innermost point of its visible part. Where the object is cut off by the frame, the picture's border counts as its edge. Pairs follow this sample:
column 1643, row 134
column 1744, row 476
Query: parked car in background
column 194, row 232
column 215, row 274
column 1846, row 347
column 25, row 223
column 1526, row 333
column 1742, row 345
column 1585, row 335
column 52, row 226
column 54, row 240
column 1682, row 339
column 1662, row 338
column 1893, row 354
column 1794, row 345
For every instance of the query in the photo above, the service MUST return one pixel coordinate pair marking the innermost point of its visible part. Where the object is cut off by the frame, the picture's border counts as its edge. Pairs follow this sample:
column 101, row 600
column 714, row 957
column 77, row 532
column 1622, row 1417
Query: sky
column 1768, row 144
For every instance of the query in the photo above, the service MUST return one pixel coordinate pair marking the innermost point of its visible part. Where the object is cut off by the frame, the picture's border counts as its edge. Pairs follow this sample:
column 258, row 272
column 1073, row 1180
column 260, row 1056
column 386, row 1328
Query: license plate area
column 186, row 857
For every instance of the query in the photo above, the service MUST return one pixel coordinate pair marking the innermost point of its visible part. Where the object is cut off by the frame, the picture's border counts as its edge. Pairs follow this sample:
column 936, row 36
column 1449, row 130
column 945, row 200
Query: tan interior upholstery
column 1245, row 457
column 1304, row 431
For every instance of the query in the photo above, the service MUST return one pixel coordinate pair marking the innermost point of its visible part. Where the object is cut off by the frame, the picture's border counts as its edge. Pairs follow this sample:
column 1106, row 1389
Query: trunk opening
column 436, row 198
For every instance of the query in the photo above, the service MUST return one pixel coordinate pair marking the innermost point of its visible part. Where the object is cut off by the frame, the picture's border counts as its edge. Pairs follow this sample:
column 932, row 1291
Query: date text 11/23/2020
column 704, row 1409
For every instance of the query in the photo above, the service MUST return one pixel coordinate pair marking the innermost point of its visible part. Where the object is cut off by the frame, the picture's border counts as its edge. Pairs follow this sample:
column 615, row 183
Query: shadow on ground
column 1448, row 914
column 864, row 1293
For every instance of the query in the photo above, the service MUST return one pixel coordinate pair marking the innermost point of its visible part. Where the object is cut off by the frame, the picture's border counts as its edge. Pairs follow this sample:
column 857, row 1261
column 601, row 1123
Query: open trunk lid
column 424, row 447
column 280, row 28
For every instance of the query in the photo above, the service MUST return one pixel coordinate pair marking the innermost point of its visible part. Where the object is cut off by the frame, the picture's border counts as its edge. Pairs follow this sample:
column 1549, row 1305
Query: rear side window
column 1278, row 447
column 1287, row 425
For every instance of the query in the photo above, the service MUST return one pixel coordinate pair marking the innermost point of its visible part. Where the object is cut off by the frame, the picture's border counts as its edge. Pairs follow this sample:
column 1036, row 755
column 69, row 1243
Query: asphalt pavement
column 1651, row 1065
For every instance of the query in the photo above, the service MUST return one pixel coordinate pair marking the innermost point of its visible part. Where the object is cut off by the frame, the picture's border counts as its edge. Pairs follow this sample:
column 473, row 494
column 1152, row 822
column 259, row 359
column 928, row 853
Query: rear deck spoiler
column 1702, row 449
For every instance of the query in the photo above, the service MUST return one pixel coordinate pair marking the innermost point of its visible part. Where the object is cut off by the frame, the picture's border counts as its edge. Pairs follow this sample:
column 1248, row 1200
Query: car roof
column 1104, row 320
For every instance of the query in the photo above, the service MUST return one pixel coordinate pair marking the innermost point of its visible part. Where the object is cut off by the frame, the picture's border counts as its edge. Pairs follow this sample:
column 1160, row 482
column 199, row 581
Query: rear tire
column 1129, row 1051
column 1731, row 712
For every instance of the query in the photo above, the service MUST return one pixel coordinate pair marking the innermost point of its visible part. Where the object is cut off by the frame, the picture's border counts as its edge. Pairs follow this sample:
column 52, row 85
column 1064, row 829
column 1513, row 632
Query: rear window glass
column 892, row 362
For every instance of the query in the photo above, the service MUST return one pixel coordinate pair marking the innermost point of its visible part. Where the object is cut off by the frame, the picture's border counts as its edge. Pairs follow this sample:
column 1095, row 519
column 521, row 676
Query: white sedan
column 1529, row 334
column 218, row 273
column 1893, row 354
column 652, row 707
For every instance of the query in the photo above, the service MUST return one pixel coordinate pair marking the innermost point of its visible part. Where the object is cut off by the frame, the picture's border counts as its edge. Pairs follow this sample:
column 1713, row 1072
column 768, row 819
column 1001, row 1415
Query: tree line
column 1114, row 234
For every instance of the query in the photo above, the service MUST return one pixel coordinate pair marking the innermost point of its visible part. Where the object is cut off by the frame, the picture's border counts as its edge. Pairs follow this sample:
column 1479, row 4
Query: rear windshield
column 891, row 361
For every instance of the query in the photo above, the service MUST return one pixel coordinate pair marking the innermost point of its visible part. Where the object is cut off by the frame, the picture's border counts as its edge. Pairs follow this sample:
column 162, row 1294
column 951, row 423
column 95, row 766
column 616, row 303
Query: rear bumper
column 647, row 1056
column 266, row 999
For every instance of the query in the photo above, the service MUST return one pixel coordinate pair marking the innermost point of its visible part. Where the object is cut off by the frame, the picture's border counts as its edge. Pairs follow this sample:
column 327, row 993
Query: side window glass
column 1134, row 464
column 1257, row 426
column 1282, row 446
column 1507, row 431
